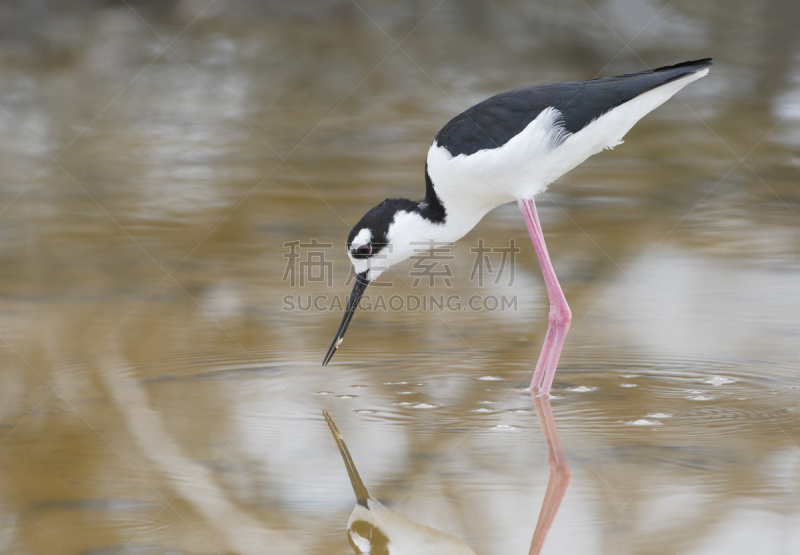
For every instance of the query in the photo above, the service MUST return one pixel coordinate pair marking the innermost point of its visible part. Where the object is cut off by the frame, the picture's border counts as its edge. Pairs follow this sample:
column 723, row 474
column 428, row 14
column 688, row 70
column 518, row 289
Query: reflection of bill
column 559, row 474
column 373, row 529
column 376, row 530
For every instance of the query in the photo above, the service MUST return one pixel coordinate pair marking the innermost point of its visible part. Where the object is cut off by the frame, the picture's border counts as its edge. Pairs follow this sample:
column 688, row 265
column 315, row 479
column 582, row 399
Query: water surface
column 158, row 396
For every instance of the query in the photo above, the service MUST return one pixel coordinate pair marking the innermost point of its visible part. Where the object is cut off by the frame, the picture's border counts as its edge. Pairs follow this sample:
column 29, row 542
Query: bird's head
column 377, row 240
column 389, row 233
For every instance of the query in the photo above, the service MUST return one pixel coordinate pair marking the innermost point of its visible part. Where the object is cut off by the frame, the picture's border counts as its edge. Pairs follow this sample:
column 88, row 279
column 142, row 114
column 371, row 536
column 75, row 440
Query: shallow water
column 158, row 396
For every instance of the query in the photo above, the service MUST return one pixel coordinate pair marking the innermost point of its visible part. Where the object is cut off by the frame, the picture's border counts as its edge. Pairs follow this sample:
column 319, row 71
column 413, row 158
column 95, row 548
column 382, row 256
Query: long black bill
column 358, row 290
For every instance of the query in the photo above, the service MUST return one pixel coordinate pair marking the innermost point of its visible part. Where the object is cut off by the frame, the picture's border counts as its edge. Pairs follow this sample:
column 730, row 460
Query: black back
column 493, row 122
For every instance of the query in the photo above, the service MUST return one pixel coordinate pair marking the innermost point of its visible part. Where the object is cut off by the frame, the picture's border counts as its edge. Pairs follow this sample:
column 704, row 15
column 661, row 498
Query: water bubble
column 420, row 384
column 482, row 410
column 490, row 379
column 659, row 415
column 486, row 402
column 581, row 388
column 522, row 389
column 700, row 398
column 718, row 380
column 365, row 411
column 323, row 393
column 643, row 422
column 416, row 405
column 359, row 386
column 505, row 427
column 406, row 392
column 628, row 385
column 395, row 383
column 346, row 396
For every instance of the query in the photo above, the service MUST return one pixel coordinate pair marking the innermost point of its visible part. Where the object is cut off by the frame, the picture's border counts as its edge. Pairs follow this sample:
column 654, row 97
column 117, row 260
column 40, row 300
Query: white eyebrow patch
column 364, row 237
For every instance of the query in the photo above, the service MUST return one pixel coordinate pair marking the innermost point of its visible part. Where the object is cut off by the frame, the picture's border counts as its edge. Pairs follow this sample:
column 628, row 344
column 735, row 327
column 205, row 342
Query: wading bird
column 507, row 148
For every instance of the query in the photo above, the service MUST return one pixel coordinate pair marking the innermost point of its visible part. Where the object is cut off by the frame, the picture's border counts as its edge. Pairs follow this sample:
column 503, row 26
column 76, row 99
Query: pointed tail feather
column 355, row 480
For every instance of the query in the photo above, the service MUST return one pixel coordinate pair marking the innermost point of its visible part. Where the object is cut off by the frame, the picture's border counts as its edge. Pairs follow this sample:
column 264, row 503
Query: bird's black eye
column 364, row 250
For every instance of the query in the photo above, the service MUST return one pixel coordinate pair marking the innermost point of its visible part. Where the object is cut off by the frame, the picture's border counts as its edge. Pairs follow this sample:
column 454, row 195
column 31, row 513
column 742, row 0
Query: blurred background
column 159, row 395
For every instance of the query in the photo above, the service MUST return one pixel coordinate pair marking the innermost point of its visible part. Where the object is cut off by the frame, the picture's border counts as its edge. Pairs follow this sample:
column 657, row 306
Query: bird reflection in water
column 376, row 530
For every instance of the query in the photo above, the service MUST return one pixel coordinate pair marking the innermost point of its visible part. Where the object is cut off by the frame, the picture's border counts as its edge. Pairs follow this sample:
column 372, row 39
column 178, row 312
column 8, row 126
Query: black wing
column 493, row 122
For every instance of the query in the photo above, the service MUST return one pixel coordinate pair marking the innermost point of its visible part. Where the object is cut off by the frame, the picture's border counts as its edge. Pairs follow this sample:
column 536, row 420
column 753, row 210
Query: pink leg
column 560, row 315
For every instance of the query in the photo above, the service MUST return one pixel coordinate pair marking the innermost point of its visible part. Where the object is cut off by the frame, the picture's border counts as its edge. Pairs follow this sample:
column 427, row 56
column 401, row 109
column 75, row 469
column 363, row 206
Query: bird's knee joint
column 561, row 317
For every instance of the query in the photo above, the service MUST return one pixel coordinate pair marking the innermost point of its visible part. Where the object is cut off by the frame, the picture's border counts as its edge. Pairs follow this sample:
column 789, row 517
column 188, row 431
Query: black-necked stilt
column 374, row 529
column 509, row 147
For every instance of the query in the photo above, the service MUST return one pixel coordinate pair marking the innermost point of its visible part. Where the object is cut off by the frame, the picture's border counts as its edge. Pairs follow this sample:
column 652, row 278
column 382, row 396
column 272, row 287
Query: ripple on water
column 644, row 422
column 581, row 388
column 733, row 418
column 718, row 380
column 686, row 370
column 411, row 405
column 736, row 401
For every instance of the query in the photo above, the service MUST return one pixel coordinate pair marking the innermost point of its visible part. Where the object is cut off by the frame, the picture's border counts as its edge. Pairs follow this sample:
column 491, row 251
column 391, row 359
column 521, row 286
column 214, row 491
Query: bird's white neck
column 411, row 233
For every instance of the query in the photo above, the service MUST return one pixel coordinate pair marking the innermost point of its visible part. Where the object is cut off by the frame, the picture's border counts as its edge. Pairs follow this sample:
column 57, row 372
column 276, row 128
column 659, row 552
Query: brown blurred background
column 156, row 397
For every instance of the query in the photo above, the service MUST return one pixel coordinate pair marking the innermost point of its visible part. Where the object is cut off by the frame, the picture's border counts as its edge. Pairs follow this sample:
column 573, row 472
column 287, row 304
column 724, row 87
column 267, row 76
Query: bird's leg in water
column 560, row 315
